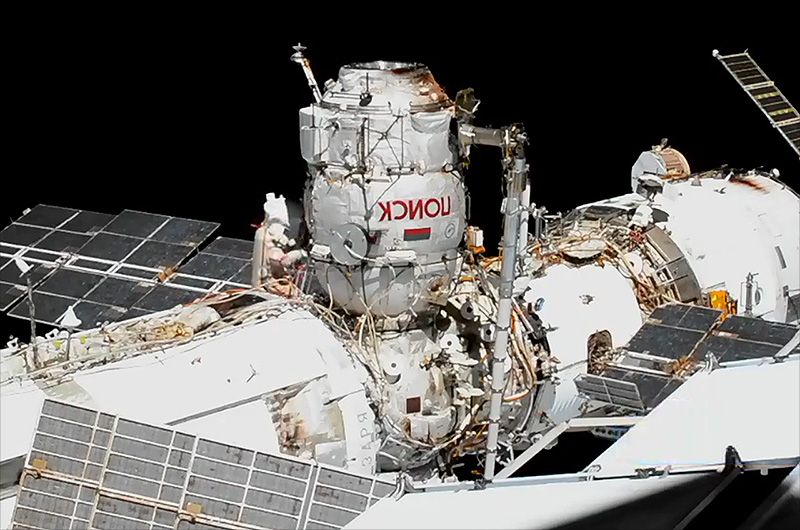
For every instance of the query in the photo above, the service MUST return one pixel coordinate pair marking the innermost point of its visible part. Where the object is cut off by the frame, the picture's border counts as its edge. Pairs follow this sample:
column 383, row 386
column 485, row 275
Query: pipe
column 516, row 182
column 524, row 216
column 31, row 312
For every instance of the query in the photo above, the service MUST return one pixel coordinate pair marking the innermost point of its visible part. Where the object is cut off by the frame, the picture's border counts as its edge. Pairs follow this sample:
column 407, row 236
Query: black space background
column 197, row 117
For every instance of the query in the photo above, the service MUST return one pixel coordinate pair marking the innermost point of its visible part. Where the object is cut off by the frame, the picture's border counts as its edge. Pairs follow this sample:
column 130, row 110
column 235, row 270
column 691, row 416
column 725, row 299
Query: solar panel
column 47, row 216
column 244, row 276
column 664, row 341
column 10, row 294
column 86, row 222
column 611, row 391
column 159, row 255
column 90, row 249
column 89, row 469
column 185, row 231
column 69, row 283
column 212, row 266
column 92, row 314
column 187, row 281
column 162, row 297
column 755, row 329
column 227, row 246
column 62, row 241
column 22, row 234
column 9, row 273
column 110, row 247
column 137, row 224
column 13, row 286
column 685, row 316
column 765, row 94
column 118, row 292
column 628, row 388
column 48, row 308
column 740, row 338
column 675, row 331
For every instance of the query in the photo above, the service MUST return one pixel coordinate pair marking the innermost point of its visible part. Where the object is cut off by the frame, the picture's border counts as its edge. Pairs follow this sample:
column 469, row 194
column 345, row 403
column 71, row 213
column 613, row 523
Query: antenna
column 302, row 60
column 25, row 270
column 70, row 321
column 765, row 94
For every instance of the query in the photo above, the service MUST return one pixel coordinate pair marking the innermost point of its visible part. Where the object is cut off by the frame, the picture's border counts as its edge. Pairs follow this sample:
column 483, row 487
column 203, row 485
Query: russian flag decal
column 416, row 234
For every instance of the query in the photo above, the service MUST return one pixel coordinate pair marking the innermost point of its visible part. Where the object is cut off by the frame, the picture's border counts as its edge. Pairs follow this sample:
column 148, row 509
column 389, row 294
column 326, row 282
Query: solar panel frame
column 181, row 231
column 134, row 223
column 92, row 314
column 664, row 342
column 69, row 283
column 90, row 469
column 627, row 388
column 686, row 316
column 47, row 216
column 10, row 277
column 98, row 247
column 63, row 241
column 10, row 294
column 158, row 255
column 756, row 329
column 23, row 235
column 48, row 308
column 87, row 222
column 111, row 247
column 118, row 292
column 757, row 83
column 727, row 349
column 9, row 273
column 163, row 297
column 214, row 266
column 607, row 390
column 231, row 247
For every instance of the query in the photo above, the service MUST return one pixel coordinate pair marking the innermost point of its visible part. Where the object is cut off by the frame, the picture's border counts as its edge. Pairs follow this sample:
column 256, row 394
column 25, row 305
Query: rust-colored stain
column 681, row 367
column 749, row 182
column 166, row 274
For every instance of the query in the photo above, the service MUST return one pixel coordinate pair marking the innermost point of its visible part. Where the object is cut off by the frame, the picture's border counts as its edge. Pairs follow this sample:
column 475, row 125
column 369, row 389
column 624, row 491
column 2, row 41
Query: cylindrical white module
column 684, row 235
column 384, row 205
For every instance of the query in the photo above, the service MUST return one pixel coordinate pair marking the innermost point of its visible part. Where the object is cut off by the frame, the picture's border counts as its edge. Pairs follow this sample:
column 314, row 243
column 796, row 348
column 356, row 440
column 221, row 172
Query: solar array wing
column 740, row 338
column 89, row 469
column 673, row 331
column 780, row 112
column 225, row 259
column 680, row 331
column 111, row 268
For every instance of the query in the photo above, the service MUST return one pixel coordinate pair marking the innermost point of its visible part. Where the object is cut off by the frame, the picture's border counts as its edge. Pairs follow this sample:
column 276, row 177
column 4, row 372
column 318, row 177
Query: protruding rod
column 31, row 313
column 516, row 182
column 524, row 217
column 302, row 60
column 748, row 296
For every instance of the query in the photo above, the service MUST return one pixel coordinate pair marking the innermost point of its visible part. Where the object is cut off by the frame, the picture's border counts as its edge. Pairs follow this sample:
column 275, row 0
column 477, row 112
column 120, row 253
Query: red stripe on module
column 414, row 234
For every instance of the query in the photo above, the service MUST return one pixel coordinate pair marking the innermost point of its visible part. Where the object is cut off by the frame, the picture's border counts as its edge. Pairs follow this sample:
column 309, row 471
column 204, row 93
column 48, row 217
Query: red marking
column 437, row 205
column 404, row 206
column 386, row 210
column 445, row 209
column 416, row 208
column 413, row 209
column 416, row 234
